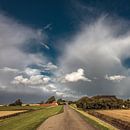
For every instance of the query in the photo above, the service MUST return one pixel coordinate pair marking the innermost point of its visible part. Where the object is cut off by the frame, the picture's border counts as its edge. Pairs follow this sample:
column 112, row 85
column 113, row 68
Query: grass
column 123, row 115
column 97, row 123
column 30, row 120
column 13, row 108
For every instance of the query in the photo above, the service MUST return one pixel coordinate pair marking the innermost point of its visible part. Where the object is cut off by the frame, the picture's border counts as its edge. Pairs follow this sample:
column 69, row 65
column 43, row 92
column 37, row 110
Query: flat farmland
column 19, row 108
column 118, row 114
column 6, row 113
column 28, row 120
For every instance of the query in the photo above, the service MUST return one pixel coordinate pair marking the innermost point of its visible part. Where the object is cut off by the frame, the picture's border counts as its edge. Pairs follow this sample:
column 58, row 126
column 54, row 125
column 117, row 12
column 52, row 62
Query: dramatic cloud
column 33, row 80
column 99, row 48
column 30, row 71
column 13, row 36
column 14, row 60
column 115, row 77
column 76, row 76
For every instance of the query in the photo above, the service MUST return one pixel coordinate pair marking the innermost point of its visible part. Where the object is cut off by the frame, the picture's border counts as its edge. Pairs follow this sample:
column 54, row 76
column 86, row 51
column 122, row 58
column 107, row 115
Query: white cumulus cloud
column 33, row 80
column 76, row 76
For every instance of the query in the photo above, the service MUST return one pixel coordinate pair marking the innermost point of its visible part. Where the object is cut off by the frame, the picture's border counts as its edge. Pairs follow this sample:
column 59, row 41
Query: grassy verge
column 97, row 123
column 29, row 121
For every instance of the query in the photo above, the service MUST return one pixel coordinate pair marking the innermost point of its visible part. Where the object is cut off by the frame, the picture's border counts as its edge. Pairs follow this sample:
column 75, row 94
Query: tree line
column 102, row 102
column 51, row 99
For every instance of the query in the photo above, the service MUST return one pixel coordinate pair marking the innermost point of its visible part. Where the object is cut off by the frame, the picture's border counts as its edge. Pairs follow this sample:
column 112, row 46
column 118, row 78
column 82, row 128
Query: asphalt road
column 68, row 120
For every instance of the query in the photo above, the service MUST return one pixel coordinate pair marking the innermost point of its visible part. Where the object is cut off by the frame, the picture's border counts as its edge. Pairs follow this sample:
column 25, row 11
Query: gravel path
column 68, row 120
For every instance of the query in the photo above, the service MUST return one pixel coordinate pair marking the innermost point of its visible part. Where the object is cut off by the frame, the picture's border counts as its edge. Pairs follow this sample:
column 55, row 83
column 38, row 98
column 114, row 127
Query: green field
column 12, row 108
column 30, row 120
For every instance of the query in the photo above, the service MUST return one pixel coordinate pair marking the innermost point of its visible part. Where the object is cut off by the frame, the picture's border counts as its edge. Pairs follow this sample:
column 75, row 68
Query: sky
column 65, row 48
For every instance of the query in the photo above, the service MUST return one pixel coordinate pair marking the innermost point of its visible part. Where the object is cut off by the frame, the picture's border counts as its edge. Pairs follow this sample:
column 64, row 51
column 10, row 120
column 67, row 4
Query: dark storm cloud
column 99, row 50
column 91, row 53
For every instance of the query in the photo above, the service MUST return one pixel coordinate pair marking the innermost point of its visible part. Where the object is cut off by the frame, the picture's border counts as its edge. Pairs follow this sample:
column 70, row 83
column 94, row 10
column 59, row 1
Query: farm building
column 50, row 104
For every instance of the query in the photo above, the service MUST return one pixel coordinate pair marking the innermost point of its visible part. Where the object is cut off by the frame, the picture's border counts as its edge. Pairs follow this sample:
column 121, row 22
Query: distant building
column 50, row 104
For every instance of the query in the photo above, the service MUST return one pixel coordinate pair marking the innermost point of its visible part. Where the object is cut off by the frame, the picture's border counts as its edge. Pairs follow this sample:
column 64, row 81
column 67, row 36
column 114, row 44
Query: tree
column 18, row 102
column 51, row 99
column 61, row 101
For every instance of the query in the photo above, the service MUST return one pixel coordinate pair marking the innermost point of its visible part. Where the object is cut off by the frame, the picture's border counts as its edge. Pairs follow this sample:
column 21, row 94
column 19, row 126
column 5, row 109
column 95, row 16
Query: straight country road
column 68, row 120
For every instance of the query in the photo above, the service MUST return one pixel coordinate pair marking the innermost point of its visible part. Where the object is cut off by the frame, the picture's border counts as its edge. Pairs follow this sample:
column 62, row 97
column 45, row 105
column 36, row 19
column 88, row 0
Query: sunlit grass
column 30, row 120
